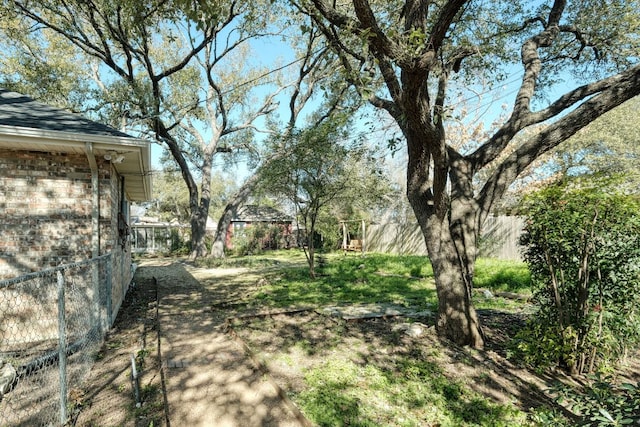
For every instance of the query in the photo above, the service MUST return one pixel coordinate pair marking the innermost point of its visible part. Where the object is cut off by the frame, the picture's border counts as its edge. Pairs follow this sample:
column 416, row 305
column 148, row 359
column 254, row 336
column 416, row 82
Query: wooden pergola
column 356, row 245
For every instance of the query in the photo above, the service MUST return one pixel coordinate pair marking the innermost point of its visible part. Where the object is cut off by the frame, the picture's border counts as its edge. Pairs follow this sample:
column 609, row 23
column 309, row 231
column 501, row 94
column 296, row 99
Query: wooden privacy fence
column 499, row 238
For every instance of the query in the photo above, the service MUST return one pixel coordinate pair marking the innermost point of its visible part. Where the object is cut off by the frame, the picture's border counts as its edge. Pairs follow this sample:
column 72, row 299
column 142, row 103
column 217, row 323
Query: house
column 65, row 187
column 254, row 215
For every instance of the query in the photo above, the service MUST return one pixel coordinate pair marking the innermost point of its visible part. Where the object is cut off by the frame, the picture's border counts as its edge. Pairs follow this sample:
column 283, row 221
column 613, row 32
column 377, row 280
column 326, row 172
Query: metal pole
column 97, row 308
column 62, row 349
column 135, row 381
column 109, row 290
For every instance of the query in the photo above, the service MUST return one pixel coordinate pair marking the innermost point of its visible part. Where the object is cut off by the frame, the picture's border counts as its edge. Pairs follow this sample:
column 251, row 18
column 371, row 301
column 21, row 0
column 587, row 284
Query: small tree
column 582, row 245
column 321, row 172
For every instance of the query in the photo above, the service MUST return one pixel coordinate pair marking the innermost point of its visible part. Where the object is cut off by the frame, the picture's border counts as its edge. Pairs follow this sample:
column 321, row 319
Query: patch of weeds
column 140, row 358
column 114, row 345
column 496, row 303
column 546, row 417
column 329, row 400
column 484, row 378
column 502, row 275
column 151, row 410
column 479, row 411
column 305, row 346
column 149, row 390
column 412, row 393
column 286, row 359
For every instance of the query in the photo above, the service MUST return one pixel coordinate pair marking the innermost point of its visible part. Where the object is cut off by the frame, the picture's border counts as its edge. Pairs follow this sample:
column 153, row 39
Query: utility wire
column 267, row 74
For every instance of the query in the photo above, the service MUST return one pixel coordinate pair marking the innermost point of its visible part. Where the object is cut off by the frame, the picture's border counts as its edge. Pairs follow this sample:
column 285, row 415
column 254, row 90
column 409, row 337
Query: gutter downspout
column 95, row 205
column 103, row 322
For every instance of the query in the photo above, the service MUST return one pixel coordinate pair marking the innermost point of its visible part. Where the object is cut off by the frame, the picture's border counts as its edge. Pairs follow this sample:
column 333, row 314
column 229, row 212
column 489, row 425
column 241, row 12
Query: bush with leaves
column 258, row 237
column 179, row 245
column 582, row 246
column 602, row 402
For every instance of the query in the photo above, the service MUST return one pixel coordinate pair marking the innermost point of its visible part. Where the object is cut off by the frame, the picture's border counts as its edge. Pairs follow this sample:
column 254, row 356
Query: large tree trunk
column 199, row 210
column 198, row 234
column 200, row 214
column 439, row 188
column 220, row 237
column 457, row 319
column 452, row 256
column 241, row 196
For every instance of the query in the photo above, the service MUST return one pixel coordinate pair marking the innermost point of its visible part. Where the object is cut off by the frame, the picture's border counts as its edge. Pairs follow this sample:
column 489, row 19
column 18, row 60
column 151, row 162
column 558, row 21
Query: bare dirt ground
column 192, row 371
column 203, row 364
column 109, row 399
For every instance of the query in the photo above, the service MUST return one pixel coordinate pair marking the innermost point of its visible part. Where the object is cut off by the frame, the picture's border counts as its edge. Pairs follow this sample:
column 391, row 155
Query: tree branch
column 439, row 31
column 381, row 43
column 382, row 48
column 614, row 91
column 521, row 116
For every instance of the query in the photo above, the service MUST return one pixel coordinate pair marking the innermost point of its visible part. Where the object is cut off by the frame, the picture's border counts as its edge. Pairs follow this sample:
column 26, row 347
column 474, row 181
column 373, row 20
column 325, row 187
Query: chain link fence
column 51, row 328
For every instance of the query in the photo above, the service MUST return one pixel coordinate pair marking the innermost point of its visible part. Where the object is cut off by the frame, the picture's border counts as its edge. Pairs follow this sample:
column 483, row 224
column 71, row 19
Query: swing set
column 350, row 244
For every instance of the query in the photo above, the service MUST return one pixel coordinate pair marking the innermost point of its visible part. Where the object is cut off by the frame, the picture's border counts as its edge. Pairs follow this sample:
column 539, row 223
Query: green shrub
column 179, row 246
column 602, row 402
column 258, row 237
column 582, row 246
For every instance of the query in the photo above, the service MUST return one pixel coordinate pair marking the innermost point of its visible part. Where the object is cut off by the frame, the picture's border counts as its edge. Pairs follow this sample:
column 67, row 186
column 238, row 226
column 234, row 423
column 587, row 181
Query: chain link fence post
column 62, row 348
column 109, row 286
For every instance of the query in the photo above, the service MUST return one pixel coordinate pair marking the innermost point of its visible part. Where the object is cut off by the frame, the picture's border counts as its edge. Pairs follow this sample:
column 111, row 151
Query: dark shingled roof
column 21, row 111
column 254, row 213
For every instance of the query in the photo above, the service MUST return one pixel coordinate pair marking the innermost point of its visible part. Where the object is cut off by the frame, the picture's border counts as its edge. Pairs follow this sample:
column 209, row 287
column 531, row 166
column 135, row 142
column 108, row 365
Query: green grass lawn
column 375, row 278
column 501, row 275
column 407, row 389
column 352, row 280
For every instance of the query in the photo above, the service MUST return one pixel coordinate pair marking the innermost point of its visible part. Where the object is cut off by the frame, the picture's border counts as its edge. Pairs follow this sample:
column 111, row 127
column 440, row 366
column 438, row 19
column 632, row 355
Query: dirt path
column 209, row 379
column 206, row 378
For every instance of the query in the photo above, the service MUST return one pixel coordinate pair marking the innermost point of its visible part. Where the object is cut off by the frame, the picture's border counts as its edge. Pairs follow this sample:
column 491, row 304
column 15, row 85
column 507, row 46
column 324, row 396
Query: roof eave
column 136, row 151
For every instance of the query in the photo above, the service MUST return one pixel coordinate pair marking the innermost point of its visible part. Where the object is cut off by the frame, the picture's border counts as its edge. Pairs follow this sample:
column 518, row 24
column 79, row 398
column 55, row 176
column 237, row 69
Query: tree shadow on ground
column 303, row 341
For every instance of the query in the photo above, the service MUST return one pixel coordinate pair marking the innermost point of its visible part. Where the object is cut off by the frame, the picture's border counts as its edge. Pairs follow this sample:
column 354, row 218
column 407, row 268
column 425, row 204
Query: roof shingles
column 21, row 111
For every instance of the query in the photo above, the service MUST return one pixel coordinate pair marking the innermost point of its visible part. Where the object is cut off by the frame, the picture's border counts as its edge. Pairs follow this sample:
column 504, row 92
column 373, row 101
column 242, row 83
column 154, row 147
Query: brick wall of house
column 45, row 210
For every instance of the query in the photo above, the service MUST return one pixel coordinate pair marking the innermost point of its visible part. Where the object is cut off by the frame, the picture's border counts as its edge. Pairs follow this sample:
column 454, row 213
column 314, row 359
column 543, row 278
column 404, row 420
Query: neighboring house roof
column 254, row 213
column 26, row 124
